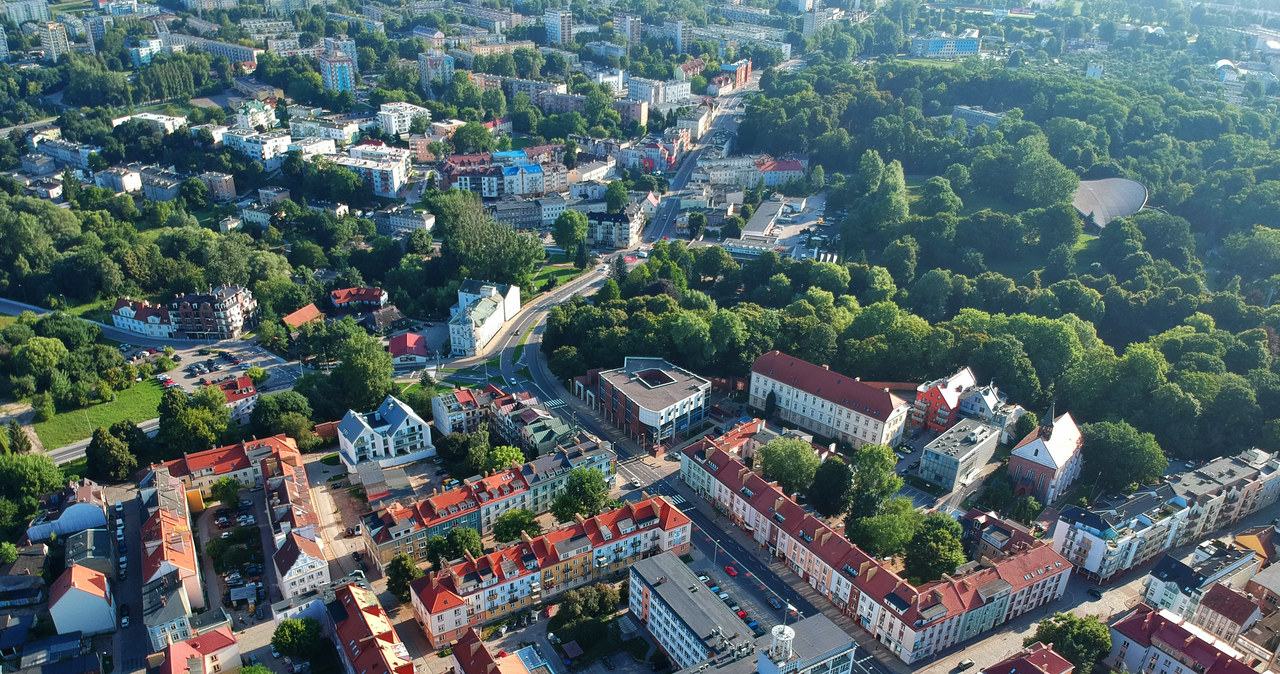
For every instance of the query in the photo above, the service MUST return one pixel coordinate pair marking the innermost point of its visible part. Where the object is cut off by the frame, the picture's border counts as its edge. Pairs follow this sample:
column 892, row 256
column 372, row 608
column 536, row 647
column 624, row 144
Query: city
column 785, row 337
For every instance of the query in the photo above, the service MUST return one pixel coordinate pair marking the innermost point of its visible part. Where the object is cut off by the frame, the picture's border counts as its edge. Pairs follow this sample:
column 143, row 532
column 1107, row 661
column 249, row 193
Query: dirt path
column 25, row 415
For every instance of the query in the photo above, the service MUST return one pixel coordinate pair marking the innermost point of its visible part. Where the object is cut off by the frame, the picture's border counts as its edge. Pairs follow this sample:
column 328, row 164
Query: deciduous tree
column 401, row 571
column 935, row 548
column 509, row 525
column 790, row 461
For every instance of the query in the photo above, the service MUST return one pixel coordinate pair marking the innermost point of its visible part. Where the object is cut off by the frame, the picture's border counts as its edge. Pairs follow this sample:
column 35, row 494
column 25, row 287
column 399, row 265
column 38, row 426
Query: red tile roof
column 167, row 540
column 177, row 655
column 366, row 636
column 238, row 389
column 1145, row 625
column 81, row 578
column 831, row 386
column 435, row 591
column 294, row 547
column 408, row 344
column 303, row 316
column 472, row 656
column 142, row 311
column 1230, row 604
column 342, row 296
column 1038, row 659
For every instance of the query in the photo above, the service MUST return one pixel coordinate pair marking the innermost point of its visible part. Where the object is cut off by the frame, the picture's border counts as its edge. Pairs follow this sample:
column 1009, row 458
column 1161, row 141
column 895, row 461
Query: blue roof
column 510, row 170
column 510, row 154
column 532, row 168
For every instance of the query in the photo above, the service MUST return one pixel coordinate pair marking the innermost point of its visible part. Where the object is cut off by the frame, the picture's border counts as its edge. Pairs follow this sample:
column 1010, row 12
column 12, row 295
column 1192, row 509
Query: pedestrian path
column 554, row 403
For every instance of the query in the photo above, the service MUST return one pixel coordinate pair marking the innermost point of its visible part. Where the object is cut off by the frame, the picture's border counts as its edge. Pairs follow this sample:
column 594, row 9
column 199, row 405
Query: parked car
column 964, row 664
column 1095, row 593
column 730, row 570
column 608, row 662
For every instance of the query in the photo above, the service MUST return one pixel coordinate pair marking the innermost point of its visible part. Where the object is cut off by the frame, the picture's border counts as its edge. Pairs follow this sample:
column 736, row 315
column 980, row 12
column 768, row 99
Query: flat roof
column 653, row 383
column 694, row 603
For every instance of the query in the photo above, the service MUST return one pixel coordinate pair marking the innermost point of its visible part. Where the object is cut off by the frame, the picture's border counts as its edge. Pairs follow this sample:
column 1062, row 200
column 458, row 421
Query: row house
column 475, row 590
column 168, row 546
column 1151, row 641
column 242, row 461
column 290, row 504
column 1180, row 588
column 141, row 317
column 465, row 409
column 915, row 623
column 364, row 634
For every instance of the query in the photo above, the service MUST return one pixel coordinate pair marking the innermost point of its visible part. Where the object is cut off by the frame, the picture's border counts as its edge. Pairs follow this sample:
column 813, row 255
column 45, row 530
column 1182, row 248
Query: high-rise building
column 96, row 27
column 22, row 11
column 803, row 6
column 4, row 46
column 682, row 35
column 53, row 40
column 343, row 45
column 628, row 26
column 559, row 24
column 338, row 72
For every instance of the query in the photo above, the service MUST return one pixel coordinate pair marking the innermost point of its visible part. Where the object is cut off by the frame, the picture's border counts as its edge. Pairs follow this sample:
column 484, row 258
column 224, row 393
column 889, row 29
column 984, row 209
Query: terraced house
column 914, row 622
column 475, row 590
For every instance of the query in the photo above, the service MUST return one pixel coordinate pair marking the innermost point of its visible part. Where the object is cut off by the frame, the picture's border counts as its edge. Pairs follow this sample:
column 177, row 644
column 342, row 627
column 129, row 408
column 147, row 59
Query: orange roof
column 178, row 654
column 1038, row 659
column 363, row 294
column 220, row 460
column 80, row 578
column 166, row 539
column 366, row 636
column 472, row 656
column 238, row 389
column 435, row 591
column 408, row 344
column 303, row 316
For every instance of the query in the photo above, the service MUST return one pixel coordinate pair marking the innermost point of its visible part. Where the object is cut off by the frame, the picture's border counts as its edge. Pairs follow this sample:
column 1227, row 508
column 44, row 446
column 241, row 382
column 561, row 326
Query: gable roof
column 842, row 390
column 238, row 389
column 1146, row 626
column 392, row 414
column 142, row 311
column 408, row 344
column 294, row 548
column 343, row 296
column 365, row 634
column 1230, row 604
column 1038, row 659
column 1057, row 448
column 303, row 316
column 178, row 654
column 435, row 591
column 82, row 578
column 472, row 656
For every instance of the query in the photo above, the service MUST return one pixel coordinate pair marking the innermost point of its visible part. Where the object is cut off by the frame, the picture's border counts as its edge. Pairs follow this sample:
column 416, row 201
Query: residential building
column 914, row 623
column 607, row 49
column 686, row 620
column 1151, row 641
column 341, row 44
column 159, row 184
column 169, row 550
column 268, row 148
column 937, row 404
column 1261, row 540
column 241, row 396
column 396, row 118
column 985, row 534
column 652, row 400
column 1261, row 643
column 387, row 177
column 434, row 67
column 619, row 230
column 214, row 651
column 81, row 601
column 1117, row 536
column 242, row 461
column 559, row 24
column 365, row 298
column 481, row 311
column 475, row 590
column 1048, row 461
column 1035, row 659
column 629, row 27
column 941, row 45
column 1179, row 588
column 150, row 320
column 338, row 72
column 1265, row 587
column 402, row 220
column 224, row 312
column 39, row 165
column 311, row 146
column 25, row 11
column 1226, row 613
column 991, row 405
column 1223, row 491
column 92, row 549
column 815, row 20
column 290, row 505
column 300, row 566
column 827, row 403
column 409, row 350
column 463, row 410
column 974, row 116
column 955, row 458
column 255, row 114
column 235, row 53
column 158, row 123
column 366, row 639
column 391, row 435
column 67, row 154
column 76, row 507
column 341, row 132
column 222, row 186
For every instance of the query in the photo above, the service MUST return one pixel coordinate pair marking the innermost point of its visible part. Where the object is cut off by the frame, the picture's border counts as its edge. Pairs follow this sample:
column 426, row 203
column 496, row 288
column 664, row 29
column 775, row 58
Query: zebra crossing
column 554, row 403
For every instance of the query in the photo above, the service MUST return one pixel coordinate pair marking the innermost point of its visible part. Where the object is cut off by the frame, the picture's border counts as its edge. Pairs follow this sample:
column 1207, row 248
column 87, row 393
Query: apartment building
column 1179, row 588
column 53, row 40
column 27, row 11
column 956, row 457
column 160, row 184
column 991, row 405
column 475, row 590
column 233, row 52
column 434, row 67
column 268, row 148
column 686, row 620
column 1226, row 613
column 386, row 177
column 156, row 122
column 392, row 435
column 402, row 220
column 650, row 399
column 1151, row 641
column 222, row 186
column 481, row 311
column 119, row 179
column 619, row 230
column 559, row 24
column 338, row 72
column 396, row 118
column 300, row 566
column 141, row 317
column 941, row 45
column 1122, row 533
column 366, row 638
column 463, row 410
column 340, row 132
column 827, row 403
column 290, row 505
column 224, row 312
column 1037, row 658
column 242, row 461
column 65, row 153
column 937, row 403
column 913, row 622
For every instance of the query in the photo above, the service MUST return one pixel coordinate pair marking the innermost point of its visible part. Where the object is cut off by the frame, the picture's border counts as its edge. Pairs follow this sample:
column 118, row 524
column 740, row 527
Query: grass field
column 136, row 404
column 6, row 321
column 564, row 274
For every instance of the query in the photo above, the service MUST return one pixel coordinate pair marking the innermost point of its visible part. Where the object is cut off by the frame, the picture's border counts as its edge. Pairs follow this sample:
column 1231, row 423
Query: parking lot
column 743, row 593
column 281, row 375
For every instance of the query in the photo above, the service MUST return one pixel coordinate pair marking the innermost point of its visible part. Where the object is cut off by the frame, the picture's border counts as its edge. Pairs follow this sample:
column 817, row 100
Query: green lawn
column 972, row 203
column 6, row 321
column 519, row 347
column 564, row 274
column 137, row 404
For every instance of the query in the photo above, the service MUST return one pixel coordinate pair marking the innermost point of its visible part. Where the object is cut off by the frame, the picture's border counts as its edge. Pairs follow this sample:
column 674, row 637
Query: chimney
column 826, row 535
column 826, row 367
column 777, row 503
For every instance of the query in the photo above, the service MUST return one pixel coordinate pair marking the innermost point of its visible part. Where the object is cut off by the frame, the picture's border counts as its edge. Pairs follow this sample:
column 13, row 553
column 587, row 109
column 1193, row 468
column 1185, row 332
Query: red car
column 502, row 654
column 730, row 570
column 742, row 614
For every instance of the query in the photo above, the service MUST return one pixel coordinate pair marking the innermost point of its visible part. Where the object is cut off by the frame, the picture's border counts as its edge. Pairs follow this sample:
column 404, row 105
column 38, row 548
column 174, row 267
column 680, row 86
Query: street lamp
column 715, row 549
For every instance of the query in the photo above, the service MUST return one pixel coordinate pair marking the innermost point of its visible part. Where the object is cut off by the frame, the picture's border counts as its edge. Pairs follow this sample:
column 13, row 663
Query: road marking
column 554, row 403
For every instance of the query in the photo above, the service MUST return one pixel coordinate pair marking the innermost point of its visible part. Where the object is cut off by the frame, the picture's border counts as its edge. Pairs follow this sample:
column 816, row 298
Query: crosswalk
column 554, row 403
column 676, row 499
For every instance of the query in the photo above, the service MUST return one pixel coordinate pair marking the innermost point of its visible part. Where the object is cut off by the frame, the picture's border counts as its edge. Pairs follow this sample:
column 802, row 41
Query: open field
column 137, row 403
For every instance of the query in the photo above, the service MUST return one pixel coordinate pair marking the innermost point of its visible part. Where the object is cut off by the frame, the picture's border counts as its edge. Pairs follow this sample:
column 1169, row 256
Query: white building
column 311, row 146
column 24, row 11
column 828, row 403
column 402, row 220
column 1048, row 461
column 559, row 24
column 481, row 311
column 1179, row 588
column 150, row 320
column 396, row 118
column 300, row 566
column 80, row 601
column 389, row 436
column 267, row 148
column 255, row 114
column 1151, row 641
column 325, row 127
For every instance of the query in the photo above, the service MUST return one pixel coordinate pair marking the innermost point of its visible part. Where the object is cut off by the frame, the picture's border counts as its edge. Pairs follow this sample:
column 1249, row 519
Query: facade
column 222, row 186
column 268, row 148
column 619, row 230
column 211, row 652
column 1048, row 461
column 408, row 349
column 937, row 404
column 81, row 601
column 235, row 53
column 472, row 591
column 940, row 45
column 67, row 154
column 1179, row 588
column 225, row 312
column 991, row 405
column 391, row 435
column 366, row 639
column 160, row 184
column 559, row 23
column 241, row 396
column 481, row 311
column 242, row 461
column 53, row 40
column 955, row 458
column 649, row 398
column 1150, row 641
column 386, row 176
column 300, row 566
column 396, row 118
column 150, row 320
column 434, row 67
column 686, row 620
column 463, row 410
column 827, row 403
column 25, row 11
column 1035, row 659
column 1226, row 613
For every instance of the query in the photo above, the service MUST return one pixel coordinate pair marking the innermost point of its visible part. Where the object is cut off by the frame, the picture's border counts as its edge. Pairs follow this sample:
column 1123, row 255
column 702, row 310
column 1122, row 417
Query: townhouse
column 1151, row 641
column 1226, row 613
column 1179, row 588
column 242, row 461
column 392, row 435
column 937, row 404
column 915, row 623
column 464, row 410
column 366, row 639
column 241, row 396
column 475, row 590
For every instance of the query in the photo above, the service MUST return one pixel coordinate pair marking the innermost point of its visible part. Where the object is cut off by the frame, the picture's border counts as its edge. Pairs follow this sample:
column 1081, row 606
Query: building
column 815, row 20
column 985, row 534
column 434, row 67
column 92, row 549
column 629, row 27
column 649, row 398
column 974, row 116
column 559, row 23
column 409, row 350
column 827, row 403
column 396, row 118
column 164, row 124
column 1179, row 588
column 956, row 457
column 1261, row 643
column 241, row 396
column 25, row 11
column 1226, row 613
column 67, row 154
column 211, row 652
column 225, row 312
column 235, row 53
column 686, row 620
column 53, row 40
column 1261, row 540
column 266, row 148
column 197, row 472
column 300, row 566
column 325, row 128
column 1151, row 641
column 366, row 298
column 1035, row 659
column 366, row 639
column 1047, row 462
column 991, row 405
column 81, row 601
column 255, row 89
column 481, row 311
column 619, row 230
column 76, row 507
column 1115, row 537
column 150, row 320
column 402, row 220
column 222, row 186
column 391, row 435
column 159, row 184
column 386, row 177
column 937, row 404
column 463, row 410
column 118, row 179
column 941, row 45
column 472, row 591
column 255, row 114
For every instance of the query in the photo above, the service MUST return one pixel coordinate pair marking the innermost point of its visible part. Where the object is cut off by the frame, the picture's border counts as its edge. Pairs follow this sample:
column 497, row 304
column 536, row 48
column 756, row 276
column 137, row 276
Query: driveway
column 131, row 643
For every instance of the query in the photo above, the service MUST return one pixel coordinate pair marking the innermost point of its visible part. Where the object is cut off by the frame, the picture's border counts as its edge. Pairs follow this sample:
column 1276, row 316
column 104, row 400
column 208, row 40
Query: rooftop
column 653, row 383
column 699, row 608
column 963, row 438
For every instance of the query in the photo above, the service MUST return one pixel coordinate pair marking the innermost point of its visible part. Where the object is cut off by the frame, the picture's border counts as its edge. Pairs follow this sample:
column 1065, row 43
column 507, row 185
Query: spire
column 1046, row 424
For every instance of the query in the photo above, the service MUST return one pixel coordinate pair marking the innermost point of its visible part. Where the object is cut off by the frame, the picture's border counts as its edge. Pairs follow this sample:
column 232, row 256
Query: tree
column 512, row 523
column 297, row 638
column 501, row 457
column 831, row 492
column 19, row 442
column 364, row 373
column 108, row 457
column 255, row 669
column 935, row 548
column 39, row 356
column 257, row 375
column 463, row 540
column 402, row 571
column 616, row 197
column 569, row 230
column 8, row 553
column 1120, row 455
column 473, row 137
column 790, row 461
column 889, row 531
column 581, row 257
column 1082, row 641
column 584, row 493
column 226, row 491
column 874, row 481
column 938, row 197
